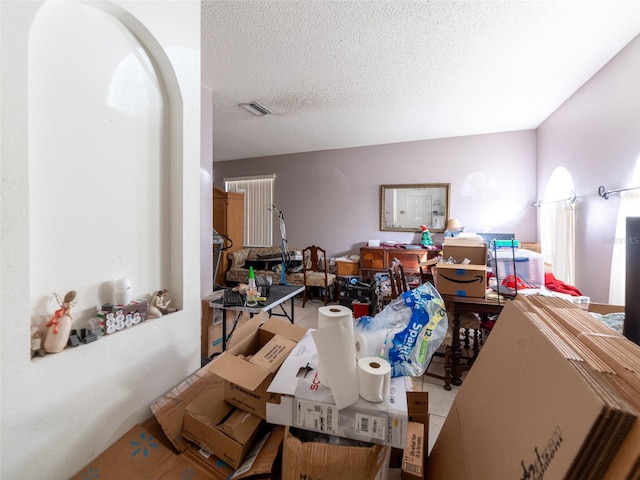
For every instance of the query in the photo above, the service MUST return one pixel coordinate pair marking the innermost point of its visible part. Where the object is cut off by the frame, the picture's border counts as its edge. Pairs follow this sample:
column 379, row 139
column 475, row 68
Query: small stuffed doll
column 426, row 236
column 59, row 327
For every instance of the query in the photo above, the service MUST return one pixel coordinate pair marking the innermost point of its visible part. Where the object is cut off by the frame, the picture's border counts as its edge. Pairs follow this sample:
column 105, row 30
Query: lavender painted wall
column 331, row 198
column 596, row 136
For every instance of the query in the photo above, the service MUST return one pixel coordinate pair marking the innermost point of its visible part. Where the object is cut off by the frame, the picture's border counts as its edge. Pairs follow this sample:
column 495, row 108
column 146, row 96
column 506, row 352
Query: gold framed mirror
column 403, row 208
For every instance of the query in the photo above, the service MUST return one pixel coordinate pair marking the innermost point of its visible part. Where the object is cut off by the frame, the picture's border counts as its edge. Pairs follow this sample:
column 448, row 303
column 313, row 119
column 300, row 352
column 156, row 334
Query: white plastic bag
column 407, row 332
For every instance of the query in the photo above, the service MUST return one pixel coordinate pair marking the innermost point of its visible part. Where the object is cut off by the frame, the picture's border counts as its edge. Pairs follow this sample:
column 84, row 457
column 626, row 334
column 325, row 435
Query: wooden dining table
column 457, row 306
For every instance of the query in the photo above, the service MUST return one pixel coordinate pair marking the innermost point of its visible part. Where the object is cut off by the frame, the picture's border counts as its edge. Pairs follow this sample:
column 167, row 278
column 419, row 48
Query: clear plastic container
column 529, row 265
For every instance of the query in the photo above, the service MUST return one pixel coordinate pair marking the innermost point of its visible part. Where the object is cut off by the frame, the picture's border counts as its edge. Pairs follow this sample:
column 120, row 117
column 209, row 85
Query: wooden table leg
column 456, row 351
column 447, row 368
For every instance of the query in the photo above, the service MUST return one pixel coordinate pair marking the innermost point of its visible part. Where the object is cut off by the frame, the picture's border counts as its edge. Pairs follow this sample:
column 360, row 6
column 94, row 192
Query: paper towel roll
column 369, row 343
column 337, row 364
column 374, row 377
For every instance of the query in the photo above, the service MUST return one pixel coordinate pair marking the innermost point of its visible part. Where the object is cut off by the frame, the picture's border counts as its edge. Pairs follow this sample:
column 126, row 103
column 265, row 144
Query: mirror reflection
column 403, row 208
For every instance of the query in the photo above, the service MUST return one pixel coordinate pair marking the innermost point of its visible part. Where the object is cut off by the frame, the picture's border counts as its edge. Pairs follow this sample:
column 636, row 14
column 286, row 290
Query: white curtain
column 258, row 199
column 557, row 234
column 629, row 207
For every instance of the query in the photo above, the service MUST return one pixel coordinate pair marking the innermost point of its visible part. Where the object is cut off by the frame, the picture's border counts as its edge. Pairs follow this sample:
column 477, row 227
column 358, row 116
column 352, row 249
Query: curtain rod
column 571, row 199
column 604, row 193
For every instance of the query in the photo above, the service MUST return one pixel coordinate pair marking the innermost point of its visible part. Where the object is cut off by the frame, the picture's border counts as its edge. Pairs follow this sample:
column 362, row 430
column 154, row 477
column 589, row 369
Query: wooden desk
column 455, row 307
column 378, row 259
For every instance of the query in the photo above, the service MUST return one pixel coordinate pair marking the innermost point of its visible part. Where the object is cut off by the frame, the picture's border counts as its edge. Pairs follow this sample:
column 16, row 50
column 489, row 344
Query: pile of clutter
column 288, row 402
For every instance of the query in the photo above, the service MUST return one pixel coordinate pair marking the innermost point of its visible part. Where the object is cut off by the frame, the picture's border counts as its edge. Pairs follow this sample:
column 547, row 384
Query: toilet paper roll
column 374, row 378
column 337, row 364
column 369, row 343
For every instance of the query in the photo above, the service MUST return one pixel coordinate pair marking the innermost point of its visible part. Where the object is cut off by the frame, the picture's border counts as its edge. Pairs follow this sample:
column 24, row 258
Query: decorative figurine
column 164, row 301
column 154, row 302
column 36, row 342
column 59, row 327
column 159, row 304
column 426, row 236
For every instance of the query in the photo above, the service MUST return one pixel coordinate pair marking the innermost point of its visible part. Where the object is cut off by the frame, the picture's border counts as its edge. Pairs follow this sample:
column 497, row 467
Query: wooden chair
column 397, row 279
column 426, row 273
column 316, row 275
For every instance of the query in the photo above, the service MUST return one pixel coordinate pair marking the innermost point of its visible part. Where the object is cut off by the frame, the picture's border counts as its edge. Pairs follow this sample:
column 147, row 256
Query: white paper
column 374, row 376
column 302, row 356
column 337, row 364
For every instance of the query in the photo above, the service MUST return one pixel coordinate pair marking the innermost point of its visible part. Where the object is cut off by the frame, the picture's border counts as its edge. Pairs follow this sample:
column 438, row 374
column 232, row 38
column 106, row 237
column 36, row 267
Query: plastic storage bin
column 529, row 265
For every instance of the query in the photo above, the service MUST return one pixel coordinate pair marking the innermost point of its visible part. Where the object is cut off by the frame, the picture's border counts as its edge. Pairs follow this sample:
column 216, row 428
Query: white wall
column 100, row 167
column 206, row 195
column 596, row 136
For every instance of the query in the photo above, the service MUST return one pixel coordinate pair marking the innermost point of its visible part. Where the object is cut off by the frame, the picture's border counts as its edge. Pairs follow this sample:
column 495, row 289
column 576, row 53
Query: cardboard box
column 415, row 453
column 474, row 249
column 145, row 452
column 554, row 411
column 168, row 413
column 461, row 280
column 305, row 403
column 347, row 267
column 605, row 309
column 138, row 454
column 271, row 356
column 311, row 460
column 169, row 408
column 263, row 459
column 245, row 382
column 412, row 459
column 224, row 430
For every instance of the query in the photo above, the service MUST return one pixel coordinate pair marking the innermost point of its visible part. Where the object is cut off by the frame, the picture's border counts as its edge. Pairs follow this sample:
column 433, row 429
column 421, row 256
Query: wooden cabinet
column 378, row 259
column 228, row 219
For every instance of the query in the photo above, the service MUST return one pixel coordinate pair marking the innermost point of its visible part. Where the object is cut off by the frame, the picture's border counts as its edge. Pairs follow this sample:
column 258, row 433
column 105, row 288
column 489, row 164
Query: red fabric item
column 555, row 285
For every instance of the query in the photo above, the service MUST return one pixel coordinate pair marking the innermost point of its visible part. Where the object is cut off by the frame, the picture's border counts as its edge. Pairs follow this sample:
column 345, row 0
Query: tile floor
column 440, row 400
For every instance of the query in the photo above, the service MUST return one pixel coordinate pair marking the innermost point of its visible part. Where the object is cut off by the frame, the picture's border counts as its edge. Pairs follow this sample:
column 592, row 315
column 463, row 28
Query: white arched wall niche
column 105, row 211
column 67, row 408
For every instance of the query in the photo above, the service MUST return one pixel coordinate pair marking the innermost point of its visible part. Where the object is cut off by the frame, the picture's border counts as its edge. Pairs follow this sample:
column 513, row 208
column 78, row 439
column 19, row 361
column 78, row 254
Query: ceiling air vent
column 256, row 108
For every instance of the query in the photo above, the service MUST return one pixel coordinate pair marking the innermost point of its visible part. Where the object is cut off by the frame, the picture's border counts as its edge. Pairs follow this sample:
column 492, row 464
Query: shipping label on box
column 273, row 353
column 461, row 280
column 384, row 422
column 413, row 459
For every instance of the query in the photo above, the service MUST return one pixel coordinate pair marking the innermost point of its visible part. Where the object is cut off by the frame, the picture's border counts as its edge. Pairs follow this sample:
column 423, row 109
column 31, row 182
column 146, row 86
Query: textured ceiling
column 351, row 73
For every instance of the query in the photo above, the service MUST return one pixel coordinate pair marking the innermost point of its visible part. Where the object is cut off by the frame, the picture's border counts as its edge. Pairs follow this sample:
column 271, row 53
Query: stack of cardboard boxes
column 466, row 274
column 227, row 421
column 554, row 393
